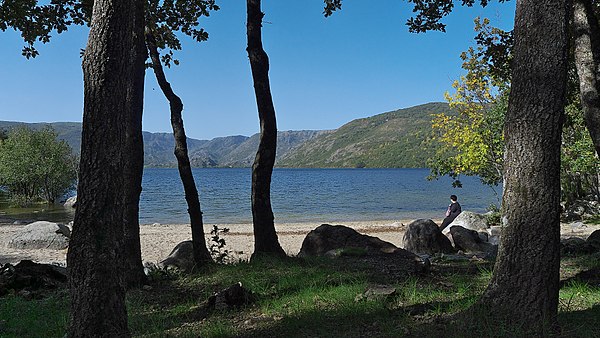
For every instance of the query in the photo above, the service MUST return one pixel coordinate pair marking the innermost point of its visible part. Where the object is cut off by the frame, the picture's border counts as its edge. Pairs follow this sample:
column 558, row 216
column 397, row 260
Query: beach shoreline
column 158, row 240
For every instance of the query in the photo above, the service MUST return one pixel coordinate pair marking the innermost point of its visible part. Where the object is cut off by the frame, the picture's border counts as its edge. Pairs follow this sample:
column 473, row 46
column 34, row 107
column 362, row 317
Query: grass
column 311, row 298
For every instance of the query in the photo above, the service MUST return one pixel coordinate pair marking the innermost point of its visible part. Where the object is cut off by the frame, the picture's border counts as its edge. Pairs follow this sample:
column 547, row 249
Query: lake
column 297, row 195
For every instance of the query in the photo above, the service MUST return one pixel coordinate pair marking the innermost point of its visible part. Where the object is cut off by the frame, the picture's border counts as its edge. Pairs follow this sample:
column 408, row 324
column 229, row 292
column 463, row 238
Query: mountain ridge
column 388, row 140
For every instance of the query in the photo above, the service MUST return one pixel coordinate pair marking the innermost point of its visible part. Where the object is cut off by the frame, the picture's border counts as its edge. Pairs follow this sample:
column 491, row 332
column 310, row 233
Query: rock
column 30, row 279
column 576, row 246
column 594, row 238
column 465, row 239
column 470, row 241
column 495, row 230
column 71, row 202
column 468, row 220
column 374, row 292
column 494, row 240
column 181, row 257
column 344, row 243
column 41, row 235
column 231, row 297
column 424, row 236
column 326, row 238
column 484, row 236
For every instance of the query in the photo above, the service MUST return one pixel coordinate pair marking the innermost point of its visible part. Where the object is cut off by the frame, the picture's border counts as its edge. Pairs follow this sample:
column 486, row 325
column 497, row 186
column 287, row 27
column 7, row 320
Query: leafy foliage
column 471, row 142
column 580, row 166
column 34, row 166
column 36, row 22
column 217, row 246
column 429, row 13
column 165, row 18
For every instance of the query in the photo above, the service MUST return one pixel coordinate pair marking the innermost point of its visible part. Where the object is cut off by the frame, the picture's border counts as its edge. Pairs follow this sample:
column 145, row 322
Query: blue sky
column 324, row 71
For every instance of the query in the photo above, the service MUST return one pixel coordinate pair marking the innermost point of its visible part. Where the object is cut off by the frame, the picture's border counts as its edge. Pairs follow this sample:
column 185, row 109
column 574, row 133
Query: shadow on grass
column 584, row 323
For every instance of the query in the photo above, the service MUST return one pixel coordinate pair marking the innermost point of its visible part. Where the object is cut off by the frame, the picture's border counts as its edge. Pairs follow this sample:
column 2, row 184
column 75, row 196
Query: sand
column 159, row 239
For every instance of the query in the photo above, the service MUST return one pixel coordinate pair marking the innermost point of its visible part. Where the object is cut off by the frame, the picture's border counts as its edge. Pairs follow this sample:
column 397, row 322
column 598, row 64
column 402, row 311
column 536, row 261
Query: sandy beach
column 159, row 239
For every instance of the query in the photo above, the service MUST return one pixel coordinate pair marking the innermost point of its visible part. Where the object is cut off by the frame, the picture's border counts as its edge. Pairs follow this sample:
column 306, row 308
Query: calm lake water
column 298, row 195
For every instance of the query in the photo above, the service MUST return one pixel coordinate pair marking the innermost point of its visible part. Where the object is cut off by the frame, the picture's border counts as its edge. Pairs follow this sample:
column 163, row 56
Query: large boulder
column 41, row 235
column 470, row 241
column 468, row 220
column 347, row 245
column 30, row 279
column 181, row 257
column 71, row 202
column 465, row 239
column 424, row 236
column 327, row 238
column 594, row 239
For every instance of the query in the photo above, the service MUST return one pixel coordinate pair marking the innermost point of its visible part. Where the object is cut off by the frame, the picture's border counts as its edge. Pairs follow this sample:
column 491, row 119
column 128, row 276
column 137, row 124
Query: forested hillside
column 389, row 140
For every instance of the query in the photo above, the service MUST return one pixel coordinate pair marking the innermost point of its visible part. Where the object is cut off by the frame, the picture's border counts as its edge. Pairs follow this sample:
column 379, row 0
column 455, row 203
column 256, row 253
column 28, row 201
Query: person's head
column 453, row 198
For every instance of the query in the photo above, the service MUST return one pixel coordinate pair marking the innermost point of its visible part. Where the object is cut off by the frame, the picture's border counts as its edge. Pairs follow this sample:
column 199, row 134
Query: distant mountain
column 388, row 140
column 230, row 151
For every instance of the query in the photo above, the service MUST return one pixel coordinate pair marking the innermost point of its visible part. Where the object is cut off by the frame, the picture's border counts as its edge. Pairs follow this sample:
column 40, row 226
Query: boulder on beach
column 467, row 240
column 182, row 257
column 71, row 202
column 468, row 220
column 342, row 242
column 423, row 236
column 41, row 235
column 326, row 238
column 594, row 239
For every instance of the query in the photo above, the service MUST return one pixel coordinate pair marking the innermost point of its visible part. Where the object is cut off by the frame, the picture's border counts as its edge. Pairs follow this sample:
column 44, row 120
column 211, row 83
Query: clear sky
column 324, row 71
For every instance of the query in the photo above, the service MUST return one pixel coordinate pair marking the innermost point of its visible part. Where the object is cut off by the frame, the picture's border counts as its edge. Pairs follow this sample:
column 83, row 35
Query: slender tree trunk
column 111, row 98
column 524, row 287
column 586, row 32
column 265, row 237
column 134, row 166
column 201, row 253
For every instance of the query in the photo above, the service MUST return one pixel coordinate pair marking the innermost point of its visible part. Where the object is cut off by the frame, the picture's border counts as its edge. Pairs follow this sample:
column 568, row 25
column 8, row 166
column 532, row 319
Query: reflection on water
column 53, row 213
column 298, row 195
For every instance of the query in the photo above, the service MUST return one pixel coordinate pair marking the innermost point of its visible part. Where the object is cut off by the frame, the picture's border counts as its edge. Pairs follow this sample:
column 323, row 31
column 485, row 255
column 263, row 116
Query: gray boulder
column 424, row 236
column 41, row 235
column 327, row 238
column 470, row 241
column 465, row 239
column 594, row 239
column 468, row 220
column 71, row 202
column 347, row 245
column 181, row 257
column 577, row 246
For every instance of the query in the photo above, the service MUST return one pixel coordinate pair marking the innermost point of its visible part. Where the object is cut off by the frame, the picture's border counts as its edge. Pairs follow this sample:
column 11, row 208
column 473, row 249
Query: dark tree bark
column 524, row 287
column 265, row 237
column 201, row 253
column 586, row 32
column 134, row 166
column 113, row 86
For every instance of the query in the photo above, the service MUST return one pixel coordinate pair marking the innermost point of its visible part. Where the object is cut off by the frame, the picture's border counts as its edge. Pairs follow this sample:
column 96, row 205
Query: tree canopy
column 35, row 166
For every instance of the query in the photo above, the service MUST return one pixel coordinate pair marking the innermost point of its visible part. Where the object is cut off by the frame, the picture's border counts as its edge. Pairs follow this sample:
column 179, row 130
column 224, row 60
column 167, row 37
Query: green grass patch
column 308, row 297
column 46, row 317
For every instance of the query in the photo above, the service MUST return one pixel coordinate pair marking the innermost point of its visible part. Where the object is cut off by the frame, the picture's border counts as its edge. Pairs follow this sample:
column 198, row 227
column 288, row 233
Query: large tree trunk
column 201, row 253
column 524, row 287
column 134, row 166
column 265, row 237
column 587, row 60
column 113, row 82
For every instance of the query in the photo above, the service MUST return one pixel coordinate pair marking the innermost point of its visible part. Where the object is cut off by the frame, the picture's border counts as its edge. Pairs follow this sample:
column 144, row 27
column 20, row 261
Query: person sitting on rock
column 453, row 211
